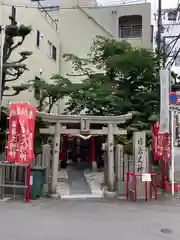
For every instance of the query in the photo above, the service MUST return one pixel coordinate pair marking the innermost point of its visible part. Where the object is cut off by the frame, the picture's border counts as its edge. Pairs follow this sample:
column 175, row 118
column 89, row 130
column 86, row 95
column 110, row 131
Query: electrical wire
column 63, row 8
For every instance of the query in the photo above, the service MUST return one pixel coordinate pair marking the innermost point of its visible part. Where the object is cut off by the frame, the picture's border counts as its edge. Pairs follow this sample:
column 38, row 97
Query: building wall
column 78, row 26
column 40, row 58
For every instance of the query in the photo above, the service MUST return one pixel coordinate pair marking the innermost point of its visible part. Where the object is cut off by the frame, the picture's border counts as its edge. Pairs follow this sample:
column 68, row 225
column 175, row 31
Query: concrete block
column 109, row 194
column 94, row 166
column 55, row 196
column 120, row 188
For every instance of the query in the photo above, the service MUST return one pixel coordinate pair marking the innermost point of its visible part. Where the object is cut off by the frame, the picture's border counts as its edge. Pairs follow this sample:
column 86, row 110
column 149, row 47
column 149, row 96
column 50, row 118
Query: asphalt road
column 87, row 220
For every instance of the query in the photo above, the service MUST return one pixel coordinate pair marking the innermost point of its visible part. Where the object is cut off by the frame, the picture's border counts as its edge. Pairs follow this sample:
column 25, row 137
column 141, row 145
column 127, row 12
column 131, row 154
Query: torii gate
column 84, row 121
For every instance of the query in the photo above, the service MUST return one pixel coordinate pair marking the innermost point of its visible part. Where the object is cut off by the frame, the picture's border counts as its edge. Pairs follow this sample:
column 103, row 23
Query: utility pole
column 1, row 63
column 159, row 25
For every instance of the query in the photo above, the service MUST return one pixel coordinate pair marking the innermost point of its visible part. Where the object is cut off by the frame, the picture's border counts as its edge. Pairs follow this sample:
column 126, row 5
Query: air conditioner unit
column 172, row 15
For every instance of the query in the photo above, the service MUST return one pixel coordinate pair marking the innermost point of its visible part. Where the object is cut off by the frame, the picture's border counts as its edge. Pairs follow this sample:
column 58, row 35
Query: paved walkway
column 80, row 183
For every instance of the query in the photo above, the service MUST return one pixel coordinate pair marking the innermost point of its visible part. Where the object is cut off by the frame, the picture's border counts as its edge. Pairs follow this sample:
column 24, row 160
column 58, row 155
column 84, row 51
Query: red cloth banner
column 155, row 132
column 12, row 145
column 25, row 116
column 161, row 143
column 168, row 148
column 31, row 126
column 23, row 146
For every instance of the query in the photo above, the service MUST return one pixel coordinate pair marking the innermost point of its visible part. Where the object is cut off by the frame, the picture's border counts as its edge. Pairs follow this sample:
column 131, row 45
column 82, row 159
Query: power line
column 64, row 8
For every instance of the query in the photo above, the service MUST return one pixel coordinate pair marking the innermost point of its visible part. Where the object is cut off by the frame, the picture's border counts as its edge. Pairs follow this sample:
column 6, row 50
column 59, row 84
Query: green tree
column 126, row 80
column 118, row 79
column 48, row 93
column 12, row 70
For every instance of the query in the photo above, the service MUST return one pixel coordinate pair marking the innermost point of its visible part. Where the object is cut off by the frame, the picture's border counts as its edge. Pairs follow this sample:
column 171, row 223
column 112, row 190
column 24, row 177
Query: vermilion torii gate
column 85, row 121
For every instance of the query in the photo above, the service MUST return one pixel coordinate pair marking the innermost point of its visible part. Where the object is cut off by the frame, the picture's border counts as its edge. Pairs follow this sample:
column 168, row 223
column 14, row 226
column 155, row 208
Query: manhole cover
column 166, row 230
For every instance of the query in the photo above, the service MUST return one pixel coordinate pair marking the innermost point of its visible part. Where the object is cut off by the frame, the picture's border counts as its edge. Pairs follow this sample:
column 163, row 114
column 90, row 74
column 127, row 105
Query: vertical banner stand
column 163, row 170
column 172, row 151
column 28, row 175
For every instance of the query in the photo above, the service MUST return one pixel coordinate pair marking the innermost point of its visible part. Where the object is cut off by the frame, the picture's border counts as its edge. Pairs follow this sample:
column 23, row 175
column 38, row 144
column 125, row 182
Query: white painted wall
column 39, row 59
column 79, row 26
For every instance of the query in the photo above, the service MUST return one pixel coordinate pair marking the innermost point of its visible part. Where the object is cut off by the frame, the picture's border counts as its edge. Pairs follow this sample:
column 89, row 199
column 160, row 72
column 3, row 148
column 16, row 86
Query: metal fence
column 13, row 177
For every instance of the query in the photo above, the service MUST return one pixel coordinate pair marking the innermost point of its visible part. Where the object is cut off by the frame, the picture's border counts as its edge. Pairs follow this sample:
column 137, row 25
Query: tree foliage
column 118, row 79
column 12, row 70
column 47, row 93
column 126, row 80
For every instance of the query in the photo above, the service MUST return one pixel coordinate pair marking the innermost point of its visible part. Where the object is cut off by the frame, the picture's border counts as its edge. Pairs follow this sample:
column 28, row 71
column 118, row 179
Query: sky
column 165, row 3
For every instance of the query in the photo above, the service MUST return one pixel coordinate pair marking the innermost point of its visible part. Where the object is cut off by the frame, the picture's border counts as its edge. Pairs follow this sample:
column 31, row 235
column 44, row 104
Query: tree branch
column 19, row 61
column 75, row 75
column 14, row 47
column 10, row 95
column 12, row 79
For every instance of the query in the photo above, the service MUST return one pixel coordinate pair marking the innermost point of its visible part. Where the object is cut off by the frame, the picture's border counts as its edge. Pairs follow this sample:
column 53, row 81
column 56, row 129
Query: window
column 152, row 33
column 131, row 31
column 13, row 13
column 54, row 52
column 49, row 49
column 36, row 88
column 130, row 26
column 38, row 38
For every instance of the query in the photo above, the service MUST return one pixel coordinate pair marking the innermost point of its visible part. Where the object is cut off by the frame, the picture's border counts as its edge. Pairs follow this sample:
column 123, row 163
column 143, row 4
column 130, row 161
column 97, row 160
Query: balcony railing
column 45, row 13
column 130, row 31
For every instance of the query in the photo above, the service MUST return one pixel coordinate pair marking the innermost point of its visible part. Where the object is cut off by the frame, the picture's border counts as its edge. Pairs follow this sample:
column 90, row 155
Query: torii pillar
column 55, row 160
column 110, row 160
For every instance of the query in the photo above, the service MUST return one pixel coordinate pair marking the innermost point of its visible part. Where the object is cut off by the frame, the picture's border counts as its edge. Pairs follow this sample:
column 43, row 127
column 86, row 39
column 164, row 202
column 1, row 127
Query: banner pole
column 172, row 151
column 28, row 176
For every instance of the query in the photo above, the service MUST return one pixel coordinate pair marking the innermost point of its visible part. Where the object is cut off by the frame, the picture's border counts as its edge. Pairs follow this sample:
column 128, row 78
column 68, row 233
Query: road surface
column 89, row 220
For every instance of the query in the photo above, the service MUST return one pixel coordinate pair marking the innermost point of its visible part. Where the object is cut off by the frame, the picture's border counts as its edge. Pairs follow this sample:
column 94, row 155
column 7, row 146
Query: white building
column 81, row 20
column 78, row 23
column 43, row 41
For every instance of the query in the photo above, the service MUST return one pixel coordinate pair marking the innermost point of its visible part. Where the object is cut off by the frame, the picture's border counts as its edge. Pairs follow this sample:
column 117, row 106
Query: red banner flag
column 31, row 125
column 161, row 143
column 12, row 145
column 168, row 149
column 25, row 122
column 23, row 134
column 155, row 132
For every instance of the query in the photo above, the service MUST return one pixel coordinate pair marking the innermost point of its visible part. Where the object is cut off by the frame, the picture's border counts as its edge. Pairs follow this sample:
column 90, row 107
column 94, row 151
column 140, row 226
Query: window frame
column 50, row 49
column 38, row 38
column 54, row 53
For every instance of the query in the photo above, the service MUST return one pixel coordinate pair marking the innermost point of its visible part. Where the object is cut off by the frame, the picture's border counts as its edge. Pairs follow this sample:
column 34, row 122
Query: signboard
column 146, row 177
column 85, row 125
column 174, row 101
column 139, row 144
column 164, row 102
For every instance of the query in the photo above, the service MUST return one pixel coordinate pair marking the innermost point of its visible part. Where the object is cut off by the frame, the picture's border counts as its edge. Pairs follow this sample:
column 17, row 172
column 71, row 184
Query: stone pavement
column 93, row 179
